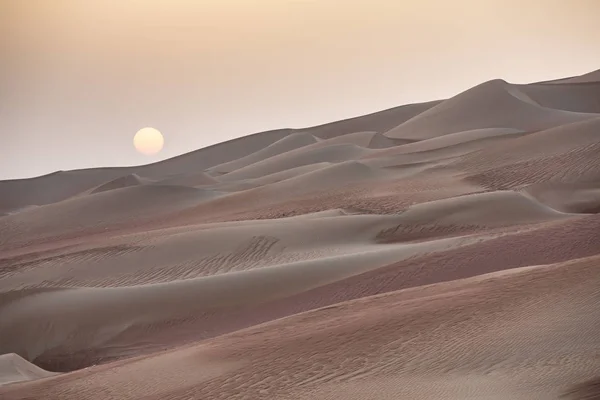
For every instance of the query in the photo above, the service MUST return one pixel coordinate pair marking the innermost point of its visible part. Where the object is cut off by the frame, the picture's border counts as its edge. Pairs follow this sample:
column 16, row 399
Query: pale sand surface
column 444, row 250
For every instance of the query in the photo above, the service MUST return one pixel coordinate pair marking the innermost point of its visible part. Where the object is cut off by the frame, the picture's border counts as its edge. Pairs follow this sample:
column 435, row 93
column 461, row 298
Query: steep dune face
column 447, row 249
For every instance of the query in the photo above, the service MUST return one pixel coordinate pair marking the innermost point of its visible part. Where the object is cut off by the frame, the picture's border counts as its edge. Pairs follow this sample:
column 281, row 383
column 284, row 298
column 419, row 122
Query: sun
column 148, row 141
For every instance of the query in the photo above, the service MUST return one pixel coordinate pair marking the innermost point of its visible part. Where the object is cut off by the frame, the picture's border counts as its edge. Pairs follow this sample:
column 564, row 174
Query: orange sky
column 79, row 77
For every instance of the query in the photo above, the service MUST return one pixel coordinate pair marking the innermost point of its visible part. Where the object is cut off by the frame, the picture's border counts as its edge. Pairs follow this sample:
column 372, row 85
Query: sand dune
column 290, row 142
column 454, row 139
column 379, row 141
column 193, row 179
column 64, row 184
column 490, row 209
column 571, row 197
column 245, row 184
column 28, row 323
column 399, row 344
column 297, row 158
column 362, row 139
column 574, row 97
column 15, row 369
column 443, row 250
column 97, row 212
column 119, row 183
column 442, row 148
column 494, row 104
column 546, row 143
column 542, row 244
column 293, row 269
column 345, row 173
column 593, row 76
column 50, row 188
column 381, row 121
column 561, row 154
column 211, row 249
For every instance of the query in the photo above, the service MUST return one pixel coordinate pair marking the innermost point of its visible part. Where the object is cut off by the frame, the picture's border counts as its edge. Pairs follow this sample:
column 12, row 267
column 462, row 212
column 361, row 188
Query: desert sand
column 443, row 250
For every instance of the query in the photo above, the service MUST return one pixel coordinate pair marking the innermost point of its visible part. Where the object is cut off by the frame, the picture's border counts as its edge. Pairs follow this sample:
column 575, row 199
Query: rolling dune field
column 443, row 250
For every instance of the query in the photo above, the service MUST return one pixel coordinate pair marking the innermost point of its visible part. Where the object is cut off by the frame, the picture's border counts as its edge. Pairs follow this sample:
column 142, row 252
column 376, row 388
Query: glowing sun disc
column 148, row 141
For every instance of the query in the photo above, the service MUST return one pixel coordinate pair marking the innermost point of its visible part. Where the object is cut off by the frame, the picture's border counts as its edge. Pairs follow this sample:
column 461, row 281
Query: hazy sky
column 78, row 78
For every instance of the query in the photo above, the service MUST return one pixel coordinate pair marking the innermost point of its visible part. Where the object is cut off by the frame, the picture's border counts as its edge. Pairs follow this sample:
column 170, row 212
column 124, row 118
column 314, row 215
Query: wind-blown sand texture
column 444, row 250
